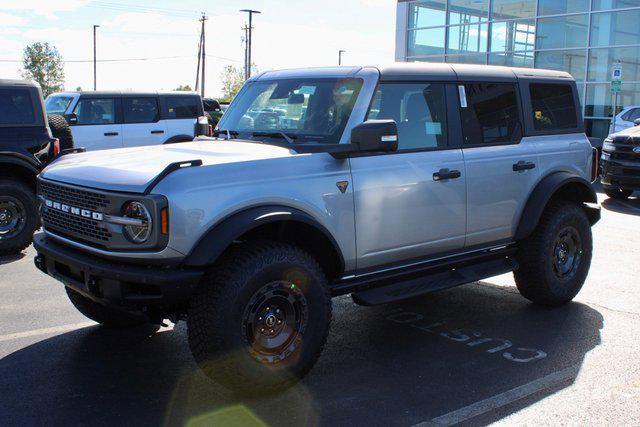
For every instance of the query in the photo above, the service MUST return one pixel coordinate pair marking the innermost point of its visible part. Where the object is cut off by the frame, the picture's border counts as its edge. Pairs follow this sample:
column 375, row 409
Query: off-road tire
column 18, row 192
column 219, row 339
column 60, row 129
column 617, row 193
column 104, row 315
column 536, row 278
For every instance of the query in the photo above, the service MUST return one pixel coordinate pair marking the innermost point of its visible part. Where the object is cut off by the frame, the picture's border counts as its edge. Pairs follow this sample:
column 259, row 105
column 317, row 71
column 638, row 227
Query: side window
column 181, row 107
column 96, row 111
column 140, row 110
column 419, row 109
column 553, row 106
column 634, row 114
column 16, row 107
column 491, row 114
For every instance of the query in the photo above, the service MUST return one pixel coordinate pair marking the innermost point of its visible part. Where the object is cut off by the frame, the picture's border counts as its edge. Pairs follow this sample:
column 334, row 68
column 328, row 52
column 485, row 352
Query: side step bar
column 435, row 281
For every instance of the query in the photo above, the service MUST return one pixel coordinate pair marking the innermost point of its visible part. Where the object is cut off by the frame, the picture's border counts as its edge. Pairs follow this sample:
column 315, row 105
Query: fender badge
column 342, row 186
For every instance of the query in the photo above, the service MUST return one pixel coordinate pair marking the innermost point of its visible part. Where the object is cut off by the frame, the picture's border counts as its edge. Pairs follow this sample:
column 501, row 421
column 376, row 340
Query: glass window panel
column 140, row 110
column 436, row 58
column 571, row 61
column 467, row 39
column 554, row 107
column 96, row 111
column 507, row 9
column 601, row 63
column 426, row 42
column 599, row 102
column 513, row 35
column 16, row 107
column 597, row 128
column 427, row 13
column 615, row 28
column 468, row 11
column 478, row 58
column 419, row 109
column 558, row 7
column 613, row 4
column 562, row 31
column 512, row 59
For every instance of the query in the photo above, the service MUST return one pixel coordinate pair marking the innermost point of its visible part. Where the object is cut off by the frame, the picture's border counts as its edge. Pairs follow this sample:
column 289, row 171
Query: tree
column 185, row 88
column 232, row 81
column 42, row 63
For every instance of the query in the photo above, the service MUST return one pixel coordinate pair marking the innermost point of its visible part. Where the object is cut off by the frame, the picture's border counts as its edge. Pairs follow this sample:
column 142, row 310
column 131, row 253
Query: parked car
column 213, row 109
column 26, row 145
column 620, row 163
column 625, row 119
column 381, row 182
column 107, row 120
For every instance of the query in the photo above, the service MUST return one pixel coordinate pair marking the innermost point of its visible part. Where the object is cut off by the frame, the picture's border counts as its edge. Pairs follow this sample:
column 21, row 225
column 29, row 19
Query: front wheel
column 617, row 193
column 260, row 320
column 18, row 216
column 555, row 259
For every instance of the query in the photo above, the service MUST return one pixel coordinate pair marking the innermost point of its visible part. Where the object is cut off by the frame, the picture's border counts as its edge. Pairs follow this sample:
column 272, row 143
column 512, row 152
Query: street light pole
column 247, row 70
column 340, row 52
column 95, row 84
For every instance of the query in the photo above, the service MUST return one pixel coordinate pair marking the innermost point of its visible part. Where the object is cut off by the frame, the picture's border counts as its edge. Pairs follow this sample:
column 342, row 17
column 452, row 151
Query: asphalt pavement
column 473, row 355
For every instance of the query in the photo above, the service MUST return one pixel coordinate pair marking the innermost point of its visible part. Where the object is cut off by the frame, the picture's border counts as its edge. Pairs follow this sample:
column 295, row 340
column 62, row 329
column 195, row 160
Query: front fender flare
column 225, row 232
column 545, row 190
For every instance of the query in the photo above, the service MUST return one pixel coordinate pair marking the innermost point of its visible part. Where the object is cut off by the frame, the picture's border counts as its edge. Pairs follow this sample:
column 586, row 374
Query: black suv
column 26, row 146
column 621, row 163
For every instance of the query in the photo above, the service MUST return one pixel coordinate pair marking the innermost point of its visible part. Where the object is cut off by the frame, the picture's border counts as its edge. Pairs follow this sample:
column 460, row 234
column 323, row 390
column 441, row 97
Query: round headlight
column 139, row 230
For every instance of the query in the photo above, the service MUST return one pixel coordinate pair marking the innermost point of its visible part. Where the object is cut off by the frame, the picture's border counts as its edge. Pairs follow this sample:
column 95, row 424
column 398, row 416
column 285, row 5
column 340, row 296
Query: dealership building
column 586, row 38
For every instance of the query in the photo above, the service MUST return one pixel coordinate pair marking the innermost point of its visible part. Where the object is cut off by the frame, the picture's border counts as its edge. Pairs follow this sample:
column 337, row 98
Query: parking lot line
column 45, row 331
column 503, row 399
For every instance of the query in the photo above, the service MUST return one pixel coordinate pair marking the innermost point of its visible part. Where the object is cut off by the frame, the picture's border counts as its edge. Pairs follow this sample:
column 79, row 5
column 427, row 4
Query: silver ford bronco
column 381, row 182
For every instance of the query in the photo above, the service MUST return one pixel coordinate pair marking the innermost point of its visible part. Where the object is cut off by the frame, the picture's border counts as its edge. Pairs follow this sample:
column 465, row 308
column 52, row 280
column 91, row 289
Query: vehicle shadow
column 401, row 363
column 8, row 259
column 630, row 206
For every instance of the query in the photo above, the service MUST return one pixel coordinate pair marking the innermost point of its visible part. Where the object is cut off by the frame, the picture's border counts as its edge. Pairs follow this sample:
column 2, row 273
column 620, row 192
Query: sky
column 288, row 34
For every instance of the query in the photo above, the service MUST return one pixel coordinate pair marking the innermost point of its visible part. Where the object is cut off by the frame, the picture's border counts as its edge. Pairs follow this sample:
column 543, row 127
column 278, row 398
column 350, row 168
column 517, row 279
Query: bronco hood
column 133, row 169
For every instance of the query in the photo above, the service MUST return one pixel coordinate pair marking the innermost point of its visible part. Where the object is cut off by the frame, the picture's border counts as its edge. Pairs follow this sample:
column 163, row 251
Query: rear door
column 141, row 124
column 501, row 167
column 98, row 126
column 180, row 114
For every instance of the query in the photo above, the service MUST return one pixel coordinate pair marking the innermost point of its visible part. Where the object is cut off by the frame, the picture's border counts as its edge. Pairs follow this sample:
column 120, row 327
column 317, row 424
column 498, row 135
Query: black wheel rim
column 274, row 321
column 12, row 217
column 567, row 253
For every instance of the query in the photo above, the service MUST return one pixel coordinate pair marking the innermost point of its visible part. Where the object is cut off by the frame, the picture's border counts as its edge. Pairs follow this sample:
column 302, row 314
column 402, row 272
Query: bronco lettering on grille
column 85, row 213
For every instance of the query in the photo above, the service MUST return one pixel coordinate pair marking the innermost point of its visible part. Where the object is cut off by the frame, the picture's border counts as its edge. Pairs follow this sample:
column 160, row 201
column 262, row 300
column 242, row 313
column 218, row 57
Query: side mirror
column 72, row 119
column 375, row 135
column 636, row 122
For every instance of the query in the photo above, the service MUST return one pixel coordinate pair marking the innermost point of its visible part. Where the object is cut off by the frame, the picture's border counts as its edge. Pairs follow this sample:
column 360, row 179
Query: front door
column 97, row 127
column 501, row 167
column 410, row 204
column 141, row 122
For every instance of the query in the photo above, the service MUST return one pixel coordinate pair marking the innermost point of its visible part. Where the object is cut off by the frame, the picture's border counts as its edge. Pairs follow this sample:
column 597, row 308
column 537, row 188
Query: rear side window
column 16, row 107
column 631, row 115
column 181, row 107
column 140, row 110
column 553, row 107
column 96, row 111
column 491, row 114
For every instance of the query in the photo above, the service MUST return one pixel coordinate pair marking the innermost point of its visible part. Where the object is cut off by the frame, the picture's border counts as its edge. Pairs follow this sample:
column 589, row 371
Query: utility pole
column 340, row 52
column 203, row 51
column 247, row 69
column 198, row 67
column 246, row 50
column 95, row 83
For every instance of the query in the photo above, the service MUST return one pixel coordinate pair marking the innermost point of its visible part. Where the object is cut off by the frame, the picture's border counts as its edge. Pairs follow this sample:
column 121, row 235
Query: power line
column 128, row 59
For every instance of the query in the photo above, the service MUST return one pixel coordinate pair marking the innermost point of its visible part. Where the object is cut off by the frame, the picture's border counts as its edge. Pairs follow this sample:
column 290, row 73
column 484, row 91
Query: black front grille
column 73, row 196
column 71, row 225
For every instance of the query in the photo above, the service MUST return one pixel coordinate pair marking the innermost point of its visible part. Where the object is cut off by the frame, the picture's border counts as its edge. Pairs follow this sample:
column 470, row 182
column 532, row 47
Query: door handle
column 111, row 134
column 157, row 131
column 523, row 166
column 446, row 174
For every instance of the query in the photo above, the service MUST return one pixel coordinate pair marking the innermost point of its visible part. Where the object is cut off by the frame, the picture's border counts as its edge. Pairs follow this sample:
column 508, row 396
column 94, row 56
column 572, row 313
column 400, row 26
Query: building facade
column 586, row 38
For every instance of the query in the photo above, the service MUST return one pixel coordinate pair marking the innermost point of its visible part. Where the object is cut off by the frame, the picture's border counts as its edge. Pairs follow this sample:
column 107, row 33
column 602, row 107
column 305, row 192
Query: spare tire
column 60, row 129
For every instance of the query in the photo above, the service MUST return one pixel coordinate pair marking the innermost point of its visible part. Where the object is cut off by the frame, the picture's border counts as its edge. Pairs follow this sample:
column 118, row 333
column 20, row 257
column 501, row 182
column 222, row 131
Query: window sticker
column 538, row 115
column 433, row 128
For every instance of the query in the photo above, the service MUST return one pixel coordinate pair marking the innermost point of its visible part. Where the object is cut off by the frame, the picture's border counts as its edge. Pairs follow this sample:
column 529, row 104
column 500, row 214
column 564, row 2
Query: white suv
column 105, row 120
column 625, row 119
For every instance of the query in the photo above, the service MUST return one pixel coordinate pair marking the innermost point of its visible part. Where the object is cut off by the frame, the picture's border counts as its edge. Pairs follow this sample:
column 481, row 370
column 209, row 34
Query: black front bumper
column 623, row 174
column 129, row 286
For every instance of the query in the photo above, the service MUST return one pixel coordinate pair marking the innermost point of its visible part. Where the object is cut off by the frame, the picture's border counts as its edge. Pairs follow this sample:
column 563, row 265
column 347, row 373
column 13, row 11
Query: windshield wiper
column 277, row 134
column 229, row 133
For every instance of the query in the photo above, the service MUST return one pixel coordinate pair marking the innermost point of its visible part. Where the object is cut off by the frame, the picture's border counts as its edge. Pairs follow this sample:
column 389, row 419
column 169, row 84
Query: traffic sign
column 616, row 86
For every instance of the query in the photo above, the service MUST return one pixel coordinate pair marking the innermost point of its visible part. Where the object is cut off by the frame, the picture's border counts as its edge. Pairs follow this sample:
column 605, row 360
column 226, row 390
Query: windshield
column 57, row 104
column 306, row 110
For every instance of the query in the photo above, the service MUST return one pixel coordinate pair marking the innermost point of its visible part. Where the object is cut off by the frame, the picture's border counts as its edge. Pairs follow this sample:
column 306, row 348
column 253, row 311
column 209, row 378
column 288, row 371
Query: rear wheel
column 617, row 193
column 18, row 216
column 555, row 259
column 260, row 321
column 104, row 315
